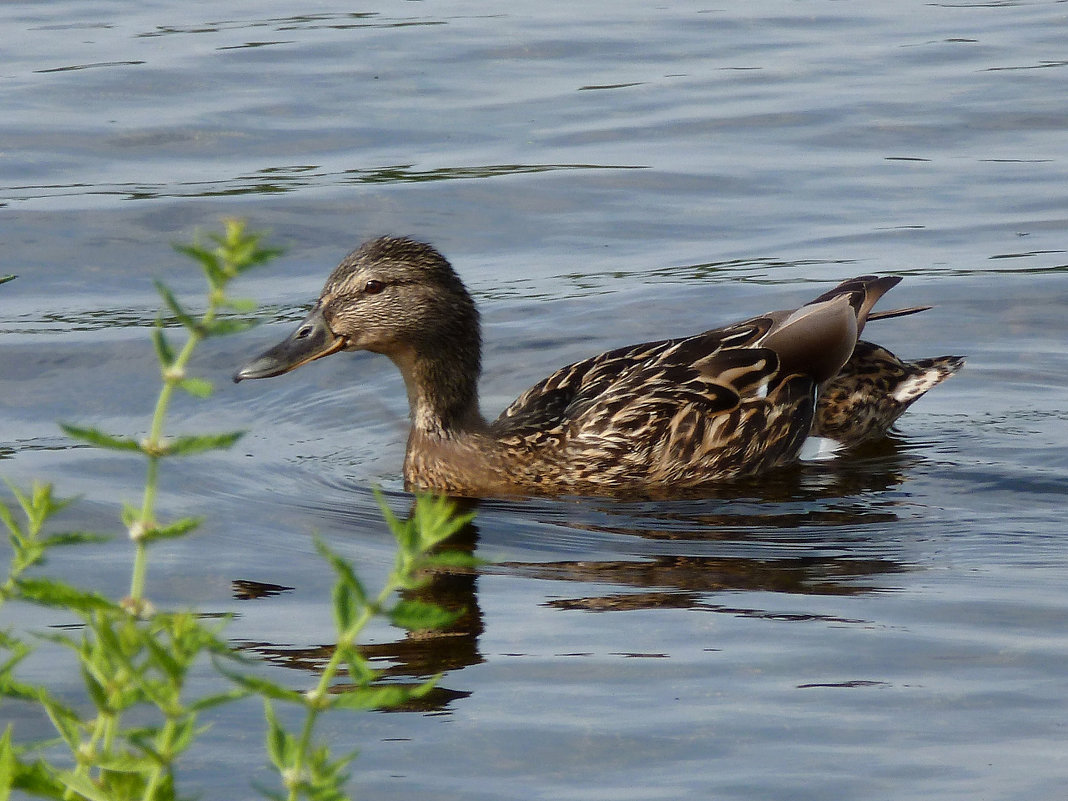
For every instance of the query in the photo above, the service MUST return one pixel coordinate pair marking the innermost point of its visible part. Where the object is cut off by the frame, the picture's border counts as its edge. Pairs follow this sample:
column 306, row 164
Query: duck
column 656, row 419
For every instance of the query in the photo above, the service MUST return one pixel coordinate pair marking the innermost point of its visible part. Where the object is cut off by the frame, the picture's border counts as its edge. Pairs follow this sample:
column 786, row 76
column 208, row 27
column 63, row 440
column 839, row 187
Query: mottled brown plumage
column 659, row 418
column 873, row 390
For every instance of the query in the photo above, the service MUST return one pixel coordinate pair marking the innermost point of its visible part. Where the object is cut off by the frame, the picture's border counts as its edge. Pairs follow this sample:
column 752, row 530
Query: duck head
column 391, row 295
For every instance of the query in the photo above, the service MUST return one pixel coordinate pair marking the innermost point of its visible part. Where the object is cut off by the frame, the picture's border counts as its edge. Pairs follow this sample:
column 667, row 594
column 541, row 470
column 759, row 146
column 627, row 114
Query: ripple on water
column 889, row 625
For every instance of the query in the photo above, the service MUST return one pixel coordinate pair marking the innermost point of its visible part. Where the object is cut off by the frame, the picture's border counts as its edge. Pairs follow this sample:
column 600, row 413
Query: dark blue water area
column 890, row 624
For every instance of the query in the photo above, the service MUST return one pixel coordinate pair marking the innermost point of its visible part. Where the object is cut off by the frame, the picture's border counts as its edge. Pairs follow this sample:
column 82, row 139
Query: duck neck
column 442, row 392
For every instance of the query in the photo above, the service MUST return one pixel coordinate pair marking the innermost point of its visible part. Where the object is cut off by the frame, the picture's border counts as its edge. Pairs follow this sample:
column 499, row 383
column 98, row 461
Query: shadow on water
column 814, row 530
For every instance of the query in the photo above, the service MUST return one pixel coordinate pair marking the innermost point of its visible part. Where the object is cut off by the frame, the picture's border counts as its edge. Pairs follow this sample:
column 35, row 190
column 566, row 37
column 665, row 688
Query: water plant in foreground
column 139, row 712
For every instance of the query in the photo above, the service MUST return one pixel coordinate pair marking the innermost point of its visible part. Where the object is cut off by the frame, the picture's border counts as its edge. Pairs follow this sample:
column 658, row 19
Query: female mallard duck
column 653, row 419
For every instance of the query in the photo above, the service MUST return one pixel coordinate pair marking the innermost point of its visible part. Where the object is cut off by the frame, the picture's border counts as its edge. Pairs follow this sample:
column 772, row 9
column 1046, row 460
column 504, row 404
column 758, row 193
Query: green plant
column 236, row 251
column 133, row 657
column 305, row 766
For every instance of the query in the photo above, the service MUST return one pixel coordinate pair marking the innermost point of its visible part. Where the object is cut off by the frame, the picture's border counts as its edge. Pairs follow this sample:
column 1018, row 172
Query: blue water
column 888, row 627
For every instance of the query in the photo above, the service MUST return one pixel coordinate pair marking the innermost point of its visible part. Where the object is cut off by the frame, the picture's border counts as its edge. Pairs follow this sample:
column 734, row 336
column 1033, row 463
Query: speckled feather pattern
column 873, row 390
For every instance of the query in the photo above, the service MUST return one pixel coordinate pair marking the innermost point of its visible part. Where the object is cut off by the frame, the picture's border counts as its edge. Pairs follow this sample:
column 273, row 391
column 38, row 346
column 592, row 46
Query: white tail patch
column 819, row 449
column 914, row 386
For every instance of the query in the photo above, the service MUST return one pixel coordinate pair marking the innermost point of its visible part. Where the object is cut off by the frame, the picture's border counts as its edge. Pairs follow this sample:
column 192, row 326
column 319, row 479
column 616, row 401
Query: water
column 600, row 174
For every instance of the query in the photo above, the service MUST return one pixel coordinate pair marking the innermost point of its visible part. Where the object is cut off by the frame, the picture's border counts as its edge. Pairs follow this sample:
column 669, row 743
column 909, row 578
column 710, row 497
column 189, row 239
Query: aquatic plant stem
column 103, row 729
column 317, row 696
column 161, row 771
column 154, row 447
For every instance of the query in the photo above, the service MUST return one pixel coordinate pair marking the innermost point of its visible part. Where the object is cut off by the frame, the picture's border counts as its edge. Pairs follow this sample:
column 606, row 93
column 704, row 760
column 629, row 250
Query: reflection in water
column 419, row 654
column 245, row 590
column 786, row 510
column 791, row 519
column 678, row 582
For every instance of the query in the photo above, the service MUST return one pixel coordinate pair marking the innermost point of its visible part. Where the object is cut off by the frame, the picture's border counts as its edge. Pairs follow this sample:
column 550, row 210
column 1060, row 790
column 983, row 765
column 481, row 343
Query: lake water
column 893, row 625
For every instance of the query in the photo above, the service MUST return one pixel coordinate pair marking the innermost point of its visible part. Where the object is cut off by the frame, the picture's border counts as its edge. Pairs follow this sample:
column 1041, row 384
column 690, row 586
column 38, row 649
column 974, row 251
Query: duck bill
column 312, row 340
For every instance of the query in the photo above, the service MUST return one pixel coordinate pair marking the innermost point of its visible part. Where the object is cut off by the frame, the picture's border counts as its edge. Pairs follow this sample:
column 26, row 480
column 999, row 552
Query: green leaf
column 382, row 696
column 426, row 686
column 25, row 502
column 163, row 659
column 111, row 635
column 176, row 308
column 185, row 732
column 436, row 519
column 10, row 688
column 74, row 538
column 176, row 529
column 452, row 560
column 97, row 694
column 38, row 779
column 64, row 720
column 37, row 506
column 164, row 352
column 225, row 327
column 8, row 765
column 17, row 650
column 217, row 699
column 359, row 669
column 241, row 250
column 198, row 443
column 45, row 501
column 49, row 592
column 198, row 387
column 208, row 261
column 127, row 763
column 395, row 525
column 10, row 523
column 83, row 786
column 412, row 614
column 262, row 687
column 95, row 436
column 344, row 570
column 277, row 737
column 242, row 305
column 346, row 606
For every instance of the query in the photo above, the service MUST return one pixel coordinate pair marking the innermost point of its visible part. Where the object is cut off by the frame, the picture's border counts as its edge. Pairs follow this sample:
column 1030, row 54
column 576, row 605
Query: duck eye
column 373, row 287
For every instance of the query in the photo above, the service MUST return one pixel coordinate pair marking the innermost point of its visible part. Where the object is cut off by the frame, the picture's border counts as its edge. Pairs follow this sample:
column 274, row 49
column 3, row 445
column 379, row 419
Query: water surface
column 889, row 626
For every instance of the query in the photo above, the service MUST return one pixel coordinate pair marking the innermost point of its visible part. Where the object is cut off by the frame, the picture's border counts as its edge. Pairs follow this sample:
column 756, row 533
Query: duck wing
column 548, row 406
column 684, row 422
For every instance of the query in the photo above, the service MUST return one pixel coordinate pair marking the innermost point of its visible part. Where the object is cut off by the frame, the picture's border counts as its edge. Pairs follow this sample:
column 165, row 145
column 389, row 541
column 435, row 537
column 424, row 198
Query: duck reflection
column 807, row 531
column 419, row 654
column 811, row 531
column 683, row 582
